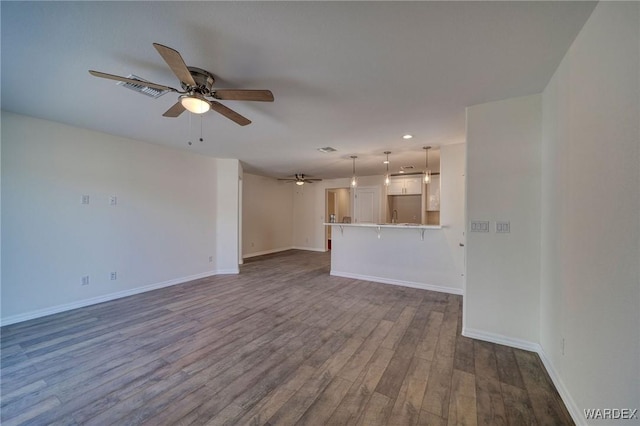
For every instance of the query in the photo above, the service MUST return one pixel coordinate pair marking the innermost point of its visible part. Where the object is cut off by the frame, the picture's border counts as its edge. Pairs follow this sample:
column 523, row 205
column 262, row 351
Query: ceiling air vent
column 154, row 93
column 327, row 149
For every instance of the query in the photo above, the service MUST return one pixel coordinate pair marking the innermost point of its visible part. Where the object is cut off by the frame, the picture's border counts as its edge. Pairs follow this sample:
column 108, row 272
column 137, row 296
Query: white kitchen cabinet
column 396, row 187
column 413, row 185
column 405, row 185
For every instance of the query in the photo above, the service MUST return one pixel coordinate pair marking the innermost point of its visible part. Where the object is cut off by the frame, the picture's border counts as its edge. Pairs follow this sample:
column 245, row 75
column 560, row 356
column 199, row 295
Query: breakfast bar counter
column 407, row 254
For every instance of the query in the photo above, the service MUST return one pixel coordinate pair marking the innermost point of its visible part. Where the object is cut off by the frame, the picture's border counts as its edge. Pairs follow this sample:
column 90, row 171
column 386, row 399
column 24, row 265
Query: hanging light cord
column 427, row 172
column 386, row 178
column 353, row 178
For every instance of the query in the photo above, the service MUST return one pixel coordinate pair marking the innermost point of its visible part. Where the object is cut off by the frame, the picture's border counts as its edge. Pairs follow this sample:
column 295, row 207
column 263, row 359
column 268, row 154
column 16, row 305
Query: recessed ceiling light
column 327, row 149
column 407, row 136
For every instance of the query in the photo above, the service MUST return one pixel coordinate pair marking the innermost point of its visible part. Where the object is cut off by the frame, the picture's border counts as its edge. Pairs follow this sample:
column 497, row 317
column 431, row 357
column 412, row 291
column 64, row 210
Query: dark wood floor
column 282, row 343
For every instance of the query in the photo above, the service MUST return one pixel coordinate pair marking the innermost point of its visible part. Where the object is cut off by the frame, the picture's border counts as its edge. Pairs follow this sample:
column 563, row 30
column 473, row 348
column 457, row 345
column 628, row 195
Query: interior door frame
column 327, row 229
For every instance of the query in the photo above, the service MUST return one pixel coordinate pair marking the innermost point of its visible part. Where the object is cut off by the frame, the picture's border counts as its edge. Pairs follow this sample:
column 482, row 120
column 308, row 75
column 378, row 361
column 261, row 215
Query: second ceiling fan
column 300, row 179
column 197, row 86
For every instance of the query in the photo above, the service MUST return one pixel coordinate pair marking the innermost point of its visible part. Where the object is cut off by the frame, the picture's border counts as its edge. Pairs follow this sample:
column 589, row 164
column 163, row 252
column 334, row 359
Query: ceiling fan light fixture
column 195, row 104
column 300, row 182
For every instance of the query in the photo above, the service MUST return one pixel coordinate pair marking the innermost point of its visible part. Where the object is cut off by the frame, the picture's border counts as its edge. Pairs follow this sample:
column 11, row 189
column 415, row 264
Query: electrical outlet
column 114, row 276
column 210, row 259
column 113, row 200
column 85, row 199
column 85, row 280
column 503, row 227
column 479, row 226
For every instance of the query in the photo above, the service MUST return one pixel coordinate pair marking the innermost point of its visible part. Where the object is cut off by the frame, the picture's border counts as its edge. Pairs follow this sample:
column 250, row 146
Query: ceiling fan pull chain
column 201, row 129
column 190, row 131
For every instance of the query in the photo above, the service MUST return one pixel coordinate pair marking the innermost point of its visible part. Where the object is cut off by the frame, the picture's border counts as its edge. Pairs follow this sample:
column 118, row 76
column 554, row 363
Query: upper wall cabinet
column 405, row 185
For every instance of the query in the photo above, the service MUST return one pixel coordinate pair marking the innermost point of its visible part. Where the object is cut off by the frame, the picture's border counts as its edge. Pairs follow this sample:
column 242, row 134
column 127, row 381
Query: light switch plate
column 503, row 227
column 479, row 226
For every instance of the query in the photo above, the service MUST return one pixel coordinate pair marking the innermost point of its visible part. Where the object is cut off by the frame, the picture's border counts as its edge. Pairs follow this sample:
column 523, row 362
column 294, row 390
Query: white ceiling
column 352, row 75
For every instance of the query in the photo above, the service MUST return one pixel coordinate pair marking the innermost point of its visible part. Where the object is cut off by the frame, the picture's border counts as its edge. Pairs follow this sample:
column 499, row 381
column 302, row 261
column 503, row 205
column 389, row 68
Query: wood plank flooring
column 281, row 343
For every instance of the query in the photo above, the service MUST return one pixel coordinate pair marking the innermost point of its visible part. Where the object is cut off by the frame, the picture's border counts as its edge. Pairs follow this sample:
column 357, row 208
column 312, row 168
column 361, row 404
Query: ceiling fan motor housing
column 204, row 81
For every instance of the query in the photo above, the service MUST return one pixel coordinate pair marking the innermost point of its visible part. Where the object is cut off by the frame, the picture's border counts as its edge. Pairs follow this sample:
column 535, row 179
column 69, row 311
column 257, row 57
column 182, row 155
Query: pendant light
column 354, row 179
column 427, row 172
column 386, row 176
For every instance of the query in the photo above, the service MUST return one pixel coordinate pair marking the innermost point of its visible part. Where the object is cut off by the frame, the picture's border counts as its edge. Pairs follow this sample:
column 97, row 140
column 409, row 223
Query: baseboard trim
column 572, row 407
column 233, row 271
column 501, row 340
column 108, row 297
column 402, row 283
column 263, row 252
column 526, row 345
column 321, row 250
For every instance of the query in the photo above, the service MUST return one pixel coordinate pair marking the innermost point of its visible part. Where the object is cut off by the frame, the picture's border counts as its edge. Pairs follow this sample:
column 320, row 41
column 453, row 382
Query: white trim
column 263, row 252
column 309, row 249
column 107, row 297
column 501, row 340
column 575, row 413
column 572, row 407
column 232, row 271
column 411, row 284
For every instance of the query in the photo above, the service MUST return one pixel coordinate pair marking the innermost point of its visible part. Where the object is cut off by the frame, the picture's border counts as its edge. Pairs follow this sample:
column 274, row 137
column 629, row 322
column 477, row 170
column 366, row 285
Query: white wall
column 574, row 151
column 267, row 215
column 168, row 221
column 308, row 216
column 343, row 206
column 228, row 178
column 590, row 277
column 452, row 208
column 503, row 183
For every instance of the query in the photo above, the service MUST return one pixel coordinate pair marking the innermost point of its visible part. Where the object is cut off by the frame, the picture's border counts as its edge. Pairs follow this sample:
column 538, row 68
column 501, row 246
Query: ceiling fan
column 197, row 86
column 300, row 179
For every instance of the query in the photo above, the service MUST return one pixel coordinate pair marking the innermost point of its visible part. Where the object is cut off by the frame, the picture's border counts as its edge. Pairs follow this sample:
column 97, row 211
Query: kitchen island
column 410, row 255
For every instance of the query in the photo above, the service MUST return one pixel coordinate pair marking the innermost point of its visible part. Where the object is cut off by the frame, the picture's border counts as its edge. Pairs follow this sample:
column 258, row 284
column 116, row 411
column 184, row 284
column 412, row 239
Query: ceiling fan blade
column 131, row 81
column 243, row 95
column 175, row 110
column 176, row 63
column 229, row 113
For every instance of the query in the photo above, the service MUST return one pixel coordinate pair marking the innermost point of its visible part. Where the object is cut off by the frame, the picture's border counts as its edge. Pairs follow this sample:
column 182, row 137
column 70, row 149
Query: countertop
column 387, row 225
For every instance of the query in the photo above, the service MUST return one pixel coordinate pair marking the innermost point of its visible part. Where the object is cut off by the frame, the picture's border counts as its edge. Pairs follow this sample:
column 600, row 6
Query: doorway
column 338, row 204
